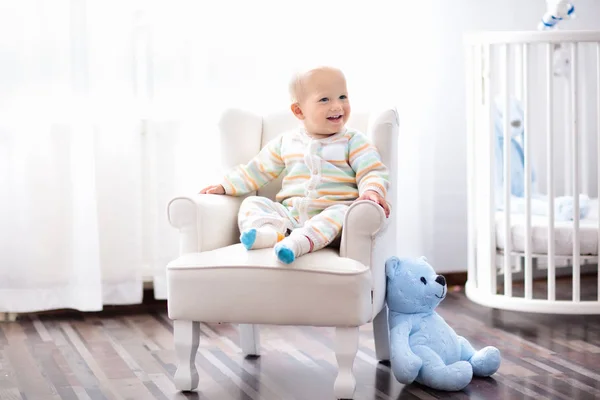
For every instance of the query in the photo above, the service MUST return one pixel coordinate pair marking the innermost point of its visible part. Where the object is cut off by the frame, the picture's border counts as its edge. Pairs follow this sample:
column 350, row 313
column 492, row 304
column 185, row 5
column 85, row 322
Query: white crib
column 516, row 254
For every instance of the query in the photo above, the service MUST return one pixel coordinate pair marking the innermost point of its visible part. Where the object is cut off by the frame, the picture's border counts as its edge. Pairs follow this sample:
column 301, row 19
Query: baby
column 327, row 168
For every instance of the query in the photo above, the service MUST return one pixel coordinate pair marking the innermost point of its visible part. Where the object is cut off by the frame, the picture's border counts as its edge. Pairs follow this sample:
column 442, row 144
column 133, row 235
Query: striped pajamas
column 322, row 178
column 322, row 228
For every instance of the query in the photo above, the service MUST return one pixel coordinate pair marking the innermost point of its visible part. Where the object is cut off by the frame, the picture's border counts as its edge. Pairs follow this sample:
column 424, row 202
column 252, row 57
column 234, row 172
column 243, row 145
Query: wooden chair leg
column 8, row 317
column 381, row 335
column 346, row 347
column 249, row 339
column 187, row 338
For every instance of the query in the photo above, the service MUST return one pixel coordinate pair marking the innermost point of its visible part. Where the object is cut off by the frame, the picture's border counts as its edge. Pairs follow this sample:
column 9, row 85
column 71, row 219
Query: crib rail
column 508, row 68
column 519, row 37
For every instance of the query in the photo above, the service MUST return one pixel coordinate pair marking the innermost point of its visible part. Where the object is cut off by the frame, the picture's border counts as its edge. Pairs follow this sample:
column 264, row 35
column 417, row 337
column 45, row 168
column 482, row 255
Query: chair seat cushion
column 234, row 285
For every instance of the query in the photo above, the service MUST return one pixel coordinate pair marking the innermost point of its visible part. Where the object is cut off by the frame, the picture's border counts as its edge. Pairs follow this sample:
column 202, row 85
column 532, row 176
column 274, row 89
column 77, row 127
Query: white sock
column 292, row 247
column 260, row 238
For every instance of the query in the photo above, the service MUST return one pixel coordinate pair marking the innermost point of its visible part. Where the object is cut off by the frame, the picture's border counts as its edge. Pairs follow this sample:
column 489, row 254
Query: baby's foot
column 292, row 247
column 260, row 238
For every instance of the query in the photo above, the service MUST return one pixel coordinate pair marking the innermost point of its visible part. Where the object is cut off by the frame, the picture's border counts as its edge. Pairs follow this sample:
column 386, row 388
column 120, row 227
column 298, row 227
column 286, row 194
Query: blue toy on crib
column 517, row 145
column 563, row 205
column 557, row 11
column 424, row 348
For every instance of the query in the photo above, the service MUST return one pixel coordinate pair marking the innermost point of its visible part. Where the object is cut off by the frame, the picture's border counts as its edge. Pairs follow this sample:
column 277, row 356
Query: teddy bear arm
column 405, row 364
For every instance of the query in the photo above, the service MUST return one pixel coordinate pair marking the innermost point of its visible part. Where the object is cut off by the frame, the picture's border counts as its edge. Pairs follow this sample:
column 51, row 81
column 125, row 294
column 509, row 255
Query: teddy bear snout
column 441, row 280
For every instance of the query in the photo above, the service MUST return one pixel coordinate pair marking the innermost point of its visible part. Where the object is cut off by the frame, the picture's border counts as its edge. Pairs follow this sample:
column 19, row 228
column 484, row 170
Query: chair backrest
column 244, row 134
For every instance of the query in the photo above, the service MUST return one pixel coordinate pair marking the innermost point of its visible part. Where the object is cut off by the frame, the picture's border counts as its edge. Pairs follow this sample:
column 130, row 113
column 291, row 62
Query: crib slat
column 527, row 139
column 518, row 53
column 485, row 207
column 507, row 183
column 471, row 95
column 575, row 155
column 598, row 150
column 584, row 161
column 550, row 177
column 567, row 138
column 491, row 177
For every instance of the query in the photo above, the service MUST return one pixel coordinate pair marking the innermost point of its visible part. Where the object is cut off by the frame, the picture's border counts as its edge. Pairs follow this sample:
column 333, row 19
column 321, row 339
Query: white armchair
column 216, row 280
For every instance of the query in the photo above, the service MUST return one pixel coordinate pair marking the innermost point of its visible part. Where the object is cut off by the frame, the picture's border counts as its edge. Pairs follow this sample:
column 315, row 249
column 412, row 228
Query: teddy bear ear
column 392, row 265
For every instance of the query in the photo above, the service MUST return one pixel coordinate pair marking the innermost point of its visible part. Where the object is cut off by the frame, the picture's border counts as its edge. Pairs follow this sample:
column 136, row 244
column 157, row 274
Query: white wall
column 442, row 126
column 405, row 52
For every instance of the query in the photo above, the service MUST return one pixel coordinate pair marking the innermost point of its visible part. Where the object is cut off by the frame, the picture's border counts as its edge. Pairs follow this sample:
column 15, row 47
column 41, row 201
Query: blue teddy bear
column 423, row 346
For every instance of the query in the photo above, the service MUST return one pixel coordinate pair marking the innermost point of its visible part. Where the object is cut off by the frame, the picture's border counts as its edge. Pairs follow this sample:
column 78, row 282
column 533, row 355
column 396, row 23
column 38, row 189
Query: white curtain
column 70, row 157
column 108, row 110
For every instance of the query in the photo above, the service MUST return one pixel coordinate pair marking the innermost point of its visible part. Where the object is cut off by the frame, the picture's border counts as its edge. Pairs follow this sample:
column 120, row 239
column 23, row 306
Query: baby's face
column 324, row 103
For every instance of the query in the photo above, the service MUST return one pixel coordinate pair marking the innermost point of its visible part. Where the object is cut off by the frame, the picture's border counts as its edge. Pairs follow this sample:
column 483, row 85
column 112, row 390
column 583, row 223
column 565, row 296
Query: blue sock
column 248, row 238
column 285, row 254
column 292, row 247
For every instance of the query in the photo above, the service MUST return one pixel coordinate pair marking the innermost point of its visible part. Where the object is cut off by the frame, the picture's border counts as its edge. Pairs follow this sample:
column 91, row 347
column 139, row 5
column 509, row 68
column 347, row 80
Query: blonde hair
column 297, row 81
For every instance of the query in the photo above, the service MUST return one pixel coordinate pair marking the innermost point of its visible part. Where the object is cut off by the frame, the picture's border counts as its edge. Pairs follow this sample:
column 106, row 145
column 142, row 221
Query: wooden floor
column 128, row 354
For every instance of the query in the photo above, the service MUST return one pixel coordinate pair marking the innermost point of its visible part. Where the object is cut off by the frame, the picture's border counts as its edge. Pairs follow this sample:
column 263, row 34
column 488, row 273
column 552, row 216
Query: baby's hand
column 374, row 196
column 213, row 189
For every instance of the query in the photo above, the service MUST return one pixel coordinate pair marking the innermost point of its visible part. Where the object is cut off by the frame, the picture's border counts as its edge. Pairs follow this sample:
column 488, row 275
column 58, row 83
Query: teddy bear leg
column 485, row 362
column 437, row 375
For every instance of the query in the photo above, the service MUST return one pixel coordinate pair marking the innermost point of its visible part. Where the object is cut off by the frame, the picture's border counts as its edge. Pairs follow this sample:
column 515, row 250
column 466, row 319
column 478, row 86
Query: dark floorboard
column 127, row 353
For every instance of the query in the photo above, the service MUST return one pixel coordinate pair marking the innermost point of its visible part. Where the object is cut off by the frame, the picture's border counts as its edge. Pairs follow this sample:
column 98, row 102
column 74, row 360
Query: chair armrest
column 364, row 227
column 205, row 221
column 363, row 222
